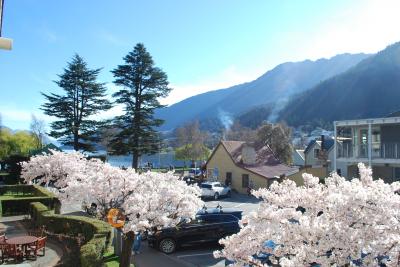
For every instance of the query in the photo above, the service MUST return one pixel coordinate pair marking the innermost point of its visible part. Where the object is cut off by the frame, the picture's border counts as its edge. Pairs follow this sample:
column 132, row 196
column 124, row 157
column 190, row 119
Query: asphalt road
column 202, row 255
column 199, row 256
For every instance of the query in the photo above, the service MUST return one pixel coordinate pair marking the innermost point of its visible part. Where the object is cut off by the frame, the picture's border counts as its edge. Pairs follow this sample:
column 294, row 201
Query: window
column 245, row 180
column 316, row 153
column 215, row 173
column 208, row 186
column 228, row 180
column 220, row 218
column 396, row 174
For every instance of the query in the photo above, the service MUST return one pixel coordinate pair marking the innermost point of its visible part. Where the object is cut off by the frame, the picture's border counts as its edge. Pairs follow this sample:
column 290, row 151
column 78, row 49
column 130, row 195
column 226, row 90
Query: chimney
column 322, row 142
column 249, row 155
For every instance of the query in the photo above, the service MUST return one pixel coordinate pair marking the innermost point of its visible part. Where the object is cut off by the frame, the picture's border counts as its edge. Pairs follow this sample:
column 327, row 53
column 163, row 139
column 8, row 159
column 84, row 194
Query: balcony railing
column 380, row 151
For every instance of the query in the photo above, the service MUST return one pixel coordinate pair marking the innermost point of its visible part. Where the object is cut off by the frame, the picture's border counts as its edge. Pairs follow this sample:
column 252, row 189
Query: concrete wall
column 331, row 158
column 223, row 162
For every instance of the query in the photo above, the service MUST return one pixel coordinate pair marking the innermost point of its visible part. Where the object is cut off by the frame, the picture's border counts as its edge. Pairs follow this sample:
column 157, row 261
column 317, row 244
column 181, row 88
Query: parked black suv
column 210, row 225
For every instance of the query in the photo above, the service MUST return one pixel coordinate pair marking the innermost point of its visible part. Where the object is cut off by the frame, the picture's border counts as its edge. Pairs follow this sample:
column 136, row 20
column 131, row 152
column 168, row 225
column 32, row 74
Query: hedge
column 97, row 234
column 15, row 199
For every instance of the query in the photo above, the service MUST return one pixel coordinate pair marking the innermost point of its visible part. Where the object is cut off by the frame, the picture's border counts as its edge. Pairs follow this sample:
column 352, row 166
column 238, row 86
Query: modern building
column 242, row 166
column 375, row 142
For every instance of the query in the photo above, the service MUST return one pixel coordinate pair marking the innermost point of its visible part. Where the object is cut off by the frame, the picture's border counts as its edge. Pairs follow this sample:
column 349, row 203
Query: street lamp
column 5, row 43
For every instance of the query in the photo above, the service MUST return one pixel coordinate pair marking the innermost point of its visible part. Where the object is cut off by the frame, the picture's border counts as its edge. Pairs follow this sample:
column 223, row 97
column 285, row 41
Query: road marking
column 237, row 206
column 194, row 255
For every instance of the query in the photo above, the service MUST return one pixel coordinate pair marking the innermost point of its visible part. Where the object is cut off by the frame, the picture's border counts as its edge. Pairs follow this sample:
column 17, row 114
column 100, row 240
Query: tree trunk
column 76, row 141
column 126, row 253
column 135, row 160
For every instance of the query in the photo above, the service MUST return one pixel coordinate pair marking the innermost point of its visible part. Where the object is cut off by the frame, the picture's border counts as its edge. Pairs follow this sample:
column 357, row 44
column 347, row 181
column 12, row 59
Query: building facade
column 319, row 153
column 375, row 142
column 241, row 166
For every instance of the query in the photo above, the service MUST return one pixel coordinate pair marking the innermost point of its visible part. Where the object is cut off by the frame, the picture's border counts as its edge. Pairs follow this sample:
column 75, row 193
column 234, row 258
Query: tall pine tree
column 83, row 97
column 142, row 85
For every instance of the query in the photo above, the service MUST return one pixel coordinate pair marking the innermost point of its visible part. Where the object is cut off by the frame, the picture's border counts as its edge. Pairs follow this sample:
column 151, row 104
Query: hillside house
column 241, row 166
column 375, row 142
column 298, row 157
column 320, row 153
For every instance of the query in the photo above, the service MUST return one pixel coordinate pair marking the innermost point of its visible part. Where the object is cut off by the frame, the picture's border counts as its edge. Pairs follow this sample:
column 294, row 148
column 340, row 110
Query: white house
column 320, row 153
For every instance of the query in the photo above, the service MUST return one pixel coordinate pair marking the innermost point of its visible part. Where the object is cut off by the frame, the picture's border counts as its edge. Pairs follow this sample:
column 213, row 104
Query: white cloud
column 228, row 77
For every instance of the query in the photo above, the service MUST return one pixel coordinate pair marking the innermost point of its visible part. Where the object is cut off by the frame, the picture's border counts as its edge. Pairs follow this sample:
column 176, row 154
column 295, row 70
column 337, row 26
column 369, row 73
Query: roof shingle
column 266, row 164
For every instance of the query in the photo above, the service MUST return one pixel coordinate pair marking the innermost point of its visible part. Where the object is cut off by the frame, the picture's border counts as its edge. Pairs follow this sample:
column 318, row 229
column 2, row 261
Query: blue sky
column 201, row 45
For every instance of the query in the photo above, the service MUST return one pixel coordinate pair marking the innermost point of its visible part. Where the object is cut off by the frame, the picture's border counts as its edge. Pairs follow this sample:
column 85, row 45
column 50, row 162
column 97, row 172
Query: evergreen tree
column 83, row 97
column 142, row 85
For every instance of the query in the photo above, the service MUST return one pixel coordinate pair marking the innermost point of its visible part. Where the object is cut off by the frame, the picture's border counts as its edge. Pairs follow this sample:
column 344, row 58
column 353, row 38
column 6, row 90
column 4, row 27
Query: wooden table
column 22, row 241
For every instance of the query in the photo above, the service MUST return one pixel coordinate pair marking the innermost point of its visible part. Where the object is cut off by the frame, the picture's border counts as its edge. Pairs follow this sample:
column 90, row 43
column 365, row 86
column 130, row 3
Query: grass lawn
column 111, row 260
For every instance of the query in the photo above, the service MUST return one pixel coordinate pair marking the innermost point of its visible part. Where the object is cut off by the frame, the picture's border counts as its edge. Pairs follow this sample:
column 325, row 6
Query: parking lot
column 199, row 256
column 202, row 256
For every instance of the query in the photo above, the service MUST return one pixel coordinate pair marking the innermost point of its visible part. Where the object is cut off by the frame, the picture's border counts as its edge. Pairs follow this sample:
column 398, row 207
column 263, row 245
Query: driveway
column 199, row 256
column 237, row 201
column 202, row 255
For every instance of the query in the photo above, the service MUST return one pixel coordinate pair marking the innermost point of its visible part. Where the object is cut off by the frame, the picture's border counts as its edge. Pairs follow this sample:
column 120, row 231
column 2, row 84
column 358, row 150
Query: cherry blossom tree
column 338, row 223
column 54, row 168
column 149, row 200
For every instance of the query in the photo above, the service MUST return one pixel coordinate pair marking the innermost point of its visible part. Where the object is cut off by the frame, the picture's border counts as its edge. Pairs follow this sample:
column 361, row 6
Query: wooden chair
column 10, row 251
column 41, row 244
column 33, row 248
column 3, row 238
column 40, row 232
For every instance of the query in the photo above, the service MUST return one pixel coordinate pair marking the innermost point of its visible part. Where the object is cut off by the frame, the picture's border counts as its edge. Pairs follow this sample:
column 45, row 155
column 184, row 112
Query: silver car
column 214, row 190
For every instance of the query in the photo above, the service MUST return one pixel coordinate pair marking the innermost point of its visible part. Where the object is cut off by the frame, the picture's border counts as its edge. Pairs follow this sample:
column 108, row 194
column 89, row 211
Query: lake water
column 160, row 160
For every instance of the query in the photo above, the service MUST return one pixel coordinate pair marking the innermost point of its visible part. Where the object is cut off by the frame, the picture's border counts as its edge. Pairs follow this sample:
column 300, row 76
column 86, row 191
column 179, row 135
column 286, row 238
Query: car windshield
column 206, row 186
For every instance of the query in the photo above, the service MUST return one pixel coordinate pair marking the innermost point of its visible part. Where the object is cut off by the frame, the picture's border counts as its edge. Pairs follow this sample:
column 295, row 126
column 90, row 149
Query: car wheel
column 167, row 245
column 229, row 194
column 216, row 196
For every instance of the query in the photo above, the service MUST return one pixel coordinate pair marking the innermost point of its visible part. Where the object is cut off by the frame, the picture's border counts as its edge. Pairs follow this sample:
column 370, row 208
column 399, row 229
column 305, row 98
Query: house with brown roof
column 241, row 166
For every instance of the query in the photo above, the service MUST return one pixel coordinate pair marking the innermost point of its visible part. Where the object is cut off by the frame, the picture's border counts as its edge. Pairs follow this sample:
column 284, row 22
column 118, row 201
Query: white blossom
column 330, row 224
column 149, row 200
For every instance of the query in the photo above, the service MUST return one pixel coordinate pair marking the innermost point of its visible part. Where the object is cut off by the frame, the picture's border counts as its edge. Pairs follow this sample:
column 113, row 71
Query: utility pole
column 5, row 43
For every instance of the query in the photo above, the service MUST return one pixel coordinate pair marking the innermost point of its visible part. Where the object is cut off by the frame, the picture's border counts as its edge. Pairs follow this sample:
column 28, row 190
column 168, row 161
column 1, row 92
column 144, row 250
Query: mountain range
column 273, row 89
column 369, row 89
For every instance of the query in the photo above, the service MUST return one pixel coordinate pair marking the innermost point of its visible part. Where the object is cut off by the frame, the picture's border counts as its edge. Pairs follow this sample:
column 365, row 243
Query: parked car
column 214, row 190
column 195, row 172
column 190, row 180
column 210, row 225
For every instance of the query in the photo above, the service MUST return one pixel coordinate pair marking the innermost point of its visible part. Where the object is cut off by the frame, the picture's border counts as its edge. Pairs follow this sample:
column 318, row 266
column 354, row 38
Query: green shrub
column 15, row 199
column 14, row 167
column 96, row 233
